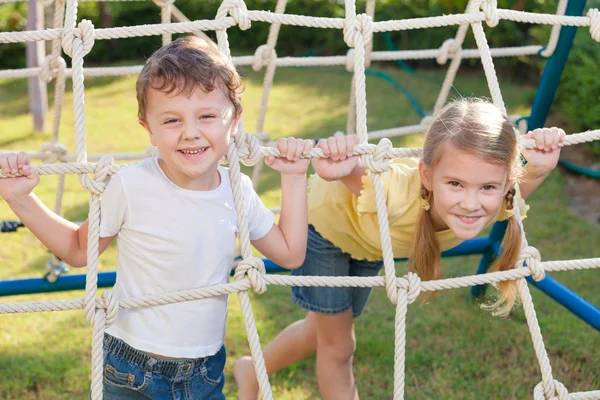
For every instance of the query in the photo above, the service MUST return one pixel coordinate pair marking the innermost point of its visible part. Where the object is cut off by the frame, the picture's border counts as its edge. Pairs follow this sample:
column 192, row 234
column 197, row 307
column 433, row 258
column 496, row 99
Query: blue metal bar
column 107, row 279
column 553, row 69
column 569, row 299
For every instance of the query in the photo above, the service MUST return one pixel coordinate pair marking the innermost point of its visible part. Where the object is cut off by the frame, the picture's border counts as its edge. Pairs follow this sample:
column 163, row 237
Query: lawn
column 455, row 350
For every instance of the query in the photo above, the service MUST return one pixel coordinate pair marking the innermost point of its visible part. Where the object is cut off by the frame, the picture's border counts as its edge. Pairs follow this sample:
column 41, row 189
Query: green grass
column 454, row 349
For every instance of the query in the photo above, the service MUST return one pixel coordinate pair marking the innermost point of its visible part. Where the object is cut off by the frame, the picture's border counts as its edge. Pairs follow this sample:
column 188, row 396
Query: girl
column 465, row 181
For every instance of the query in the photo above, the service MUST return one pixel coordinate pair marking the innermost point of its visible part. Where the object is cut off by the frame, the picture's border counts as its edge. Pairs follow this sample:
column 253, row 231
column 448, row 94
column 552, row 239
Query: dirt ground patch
column 583, row 192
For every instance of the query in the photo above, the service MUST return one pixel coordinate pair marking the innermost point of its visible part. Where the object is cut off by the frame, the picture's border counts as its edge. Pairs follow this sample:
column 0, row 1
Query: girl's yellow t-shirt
column 350, row 222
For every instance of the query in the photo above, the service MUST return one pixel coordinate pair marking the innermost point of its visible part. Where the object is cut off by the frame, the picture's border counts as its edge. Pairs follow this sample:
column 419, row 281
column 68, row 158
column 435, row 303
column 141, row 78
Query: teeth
column 193, row 152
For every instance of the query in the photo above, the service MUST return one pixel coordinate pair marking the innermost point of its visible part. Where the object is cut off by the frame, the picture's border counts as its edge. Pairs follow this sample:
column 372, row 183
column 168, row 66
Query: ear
column 425, row 172
column 235, row 124
column 508, row 185
column 147, row 128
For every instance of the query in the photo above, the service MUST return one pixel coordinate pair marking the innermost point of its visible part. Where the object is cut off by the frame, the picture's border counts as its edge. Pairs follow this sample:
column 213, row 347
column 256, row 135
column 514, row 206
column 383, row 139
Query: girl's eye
column 487, row 188
column 454, row 184
column 170, row 121
column 208, row 116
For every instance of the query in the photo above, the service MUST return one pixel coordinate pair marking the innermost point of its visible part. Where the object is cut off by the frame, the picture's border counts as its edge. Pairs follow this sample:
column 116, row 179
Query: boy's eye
column 207, row 116
column 170, row 121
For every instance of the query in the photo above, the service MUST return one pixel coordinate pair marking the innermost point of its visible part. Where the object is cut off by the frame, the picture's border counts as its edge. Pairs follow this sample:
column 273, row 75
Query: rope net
column 77, row 39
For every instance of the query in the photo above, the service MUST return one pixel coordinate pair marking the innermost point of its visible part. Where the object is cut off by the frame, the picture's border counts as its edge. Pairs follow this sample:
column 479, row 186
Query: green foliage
column 578, row 91
column 293, row 41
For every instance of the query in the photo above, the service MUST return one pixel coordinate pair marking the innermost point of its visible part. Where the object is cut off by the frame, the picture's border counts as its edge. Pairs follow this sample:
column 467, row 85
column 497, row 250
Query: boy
column 175, row 220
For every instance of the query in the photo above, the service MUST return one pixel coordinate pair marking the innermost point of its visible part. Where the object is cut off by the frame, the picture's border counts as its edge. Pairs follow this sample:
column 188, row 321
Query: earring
column 425, row 199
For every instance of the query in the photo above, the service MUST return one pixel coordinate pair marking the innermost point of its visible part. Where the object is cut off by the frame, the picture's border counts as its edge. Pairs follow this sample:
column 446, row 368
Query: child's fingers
column 538, row 135
column 350, row 144
column 334, row 153
column 269, row 160
column 308, row 145
column 291, row 149
column 341, row 145
column 324, row 146
column 4, row 164
column 22, row 159
column 12, row 163
column 282, row 146
column 29, row 172
column 299, row 149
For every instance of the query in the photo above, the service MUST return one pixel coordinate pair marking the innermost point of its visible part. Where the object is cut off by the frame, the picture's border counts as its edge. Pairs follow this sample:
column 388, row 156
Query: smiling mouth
column 468, row 220
column 193, row 152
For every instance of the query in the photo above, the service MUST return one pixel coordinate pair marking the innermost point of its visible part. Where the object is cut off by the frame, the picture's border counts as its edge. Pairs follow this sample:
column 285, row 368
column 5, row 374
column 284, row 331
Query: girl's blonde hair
column 481, row 129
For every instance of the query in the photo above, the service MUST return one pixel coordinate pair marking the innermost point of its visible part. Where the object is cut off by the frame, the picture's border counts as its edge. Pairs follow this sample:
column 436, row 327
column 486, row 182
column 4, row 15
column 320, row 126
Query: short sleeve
column 401, row 187
column 260, row 218
column 113, row 208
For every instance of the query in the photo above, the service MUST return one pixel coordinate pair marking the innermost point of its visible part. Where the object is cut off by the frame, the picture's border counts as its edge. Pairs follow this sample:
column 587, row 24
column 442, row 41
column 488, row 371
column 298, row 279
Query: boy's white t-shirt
column 172, row 239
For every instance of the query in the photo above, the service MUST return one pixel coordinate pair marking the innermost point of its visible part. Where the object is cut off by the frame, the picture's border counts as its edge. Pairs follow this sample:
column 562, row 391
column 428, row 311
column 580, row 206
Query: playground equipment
column 77, row 40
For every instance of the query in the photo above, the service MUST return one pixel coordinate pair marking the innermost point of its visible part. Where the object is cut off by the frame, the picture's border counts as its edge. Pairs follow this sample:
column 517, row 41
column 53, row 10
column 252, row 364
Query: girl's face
column 467, row 192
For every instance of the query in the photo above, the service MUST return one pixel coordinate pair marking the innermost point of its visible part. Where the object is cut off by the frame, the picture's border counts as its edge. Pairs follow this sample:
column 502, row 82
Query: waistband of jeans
column 168, row 367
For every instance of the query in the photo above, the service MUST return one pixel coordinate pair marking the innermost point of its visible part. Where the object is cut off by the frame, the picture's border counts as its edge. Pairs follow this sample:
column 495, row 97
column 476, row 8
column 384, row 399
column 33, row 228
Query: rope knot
column 53, row 152
column 248, row 147
column 489, row 8
column 254, row 268
column 380, row 161
column 414, row 286
column 594, row 17
column 447, row 50
column 238, row 11
column 51, row 67
column 101, row 174
column 360, row 25
column 85, row 32
column 531, row 256
column 559, row 392
column 112, row 307
column 262, row 57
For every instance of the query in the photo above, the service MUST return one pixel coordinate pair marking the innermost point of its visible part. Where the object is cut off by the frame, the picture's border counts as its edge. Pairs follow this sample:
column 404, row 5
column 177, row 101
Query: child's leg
column 335, row 349
column 294, row 343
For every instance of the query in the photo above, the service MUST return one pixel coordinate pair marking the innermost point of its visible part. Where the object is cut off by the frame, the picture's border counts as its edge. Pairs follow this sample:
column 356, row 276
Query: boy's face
column 191, row 134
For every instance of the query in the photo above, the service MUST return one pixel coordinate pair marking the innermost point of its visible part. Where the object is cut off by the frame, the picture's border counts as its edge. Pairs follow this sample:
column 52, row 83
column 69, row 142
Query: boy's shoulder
column 137, row 170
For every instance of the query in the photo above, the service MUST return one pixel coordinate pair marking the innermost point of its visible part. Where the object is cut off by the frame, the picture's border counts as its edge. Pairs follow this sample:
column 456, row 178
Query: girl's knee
column 340, row 347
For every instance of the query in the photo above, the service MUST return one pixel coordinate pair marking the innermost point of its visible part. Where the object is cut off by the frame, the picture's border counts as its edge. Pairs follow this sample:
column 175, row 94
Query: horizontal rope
column 361, row 149
column 290, row 61
column 287, row 280
column 296, row 20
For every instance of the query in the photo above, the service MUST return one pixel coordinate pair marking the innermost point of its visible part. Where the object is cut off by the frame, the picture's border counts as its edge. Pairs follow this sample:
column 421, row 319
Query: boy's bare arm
column 285, row 243
column 64, row 239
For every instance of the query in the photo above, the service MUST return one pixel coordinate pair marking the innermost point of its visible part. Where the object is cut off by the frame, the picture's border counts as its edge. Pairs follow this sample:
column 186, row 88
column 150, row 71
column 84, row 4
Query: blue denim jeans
column 131, row 374
column 323, row 258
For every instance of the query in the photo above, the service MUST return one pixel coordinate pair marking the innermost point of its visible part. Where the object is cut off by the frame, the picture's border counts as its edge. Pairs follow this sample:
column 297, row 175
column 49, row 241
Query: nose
column 191, row 131
column 470, row 201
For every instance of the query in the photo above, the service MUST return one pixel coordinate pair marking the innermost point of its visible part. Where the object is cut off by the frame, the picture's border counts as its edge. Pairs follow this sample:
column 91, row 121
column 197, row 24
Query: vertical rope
column 400, row 344
column 488, row 66
column 244, row 299
column 237, row 8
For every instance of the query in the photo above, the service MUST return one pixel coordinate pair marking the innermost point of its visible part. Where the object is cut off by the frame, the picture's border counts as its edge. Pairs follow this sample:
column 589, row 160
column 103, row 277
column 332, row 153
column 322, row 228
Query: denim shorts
column 132, row 374
column 323, row 258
